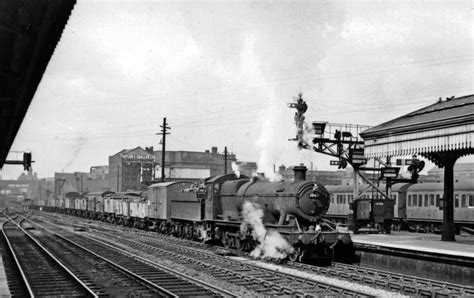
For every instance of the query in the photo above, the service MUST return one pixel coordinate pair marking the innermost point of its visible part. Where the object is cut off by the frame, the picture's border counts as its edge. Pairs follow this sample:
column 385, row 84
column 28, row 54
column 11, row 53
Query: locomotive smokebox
column 300, row 172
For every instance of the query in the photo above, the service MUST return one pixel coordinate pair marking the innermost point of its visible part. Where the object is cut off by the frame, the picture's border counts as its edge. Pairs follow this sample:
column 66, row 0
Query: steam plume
column 270, row 243
column 236, row 169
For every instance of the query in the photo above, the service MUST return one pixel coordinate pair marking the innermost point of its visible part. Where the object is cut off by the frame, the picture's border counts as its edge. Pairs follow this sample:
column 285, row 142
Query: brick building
column 134, row 169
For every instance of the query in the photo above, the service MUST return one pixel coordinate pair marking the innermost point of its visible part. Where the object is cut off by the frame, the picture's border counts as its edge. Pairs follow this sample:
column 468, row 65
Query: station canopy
column 446, row 126
column 29, row 33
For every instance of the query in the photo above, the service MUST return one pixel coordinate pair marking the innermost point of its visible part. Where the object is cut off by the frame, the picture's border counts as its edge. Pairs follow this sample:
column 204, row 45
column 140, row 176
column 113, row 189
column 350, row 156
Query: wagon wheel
column 181, row 231
column 237, row 243
column 294, row 257
column 184, row 232
column 190, row 234
column 227, row 241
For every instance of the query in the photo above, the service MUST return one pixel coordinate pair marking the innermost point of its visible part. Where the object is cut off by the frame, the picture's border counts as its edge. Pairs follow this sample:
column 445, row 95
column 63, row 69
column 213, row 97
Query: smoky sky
column 222, row 74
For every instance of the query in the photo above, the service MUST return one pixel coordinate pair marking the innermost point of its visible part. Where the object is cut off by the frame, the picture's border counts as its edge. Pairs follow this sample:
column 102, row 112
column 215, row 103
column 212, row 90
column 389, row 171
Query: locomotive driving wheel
column 295, row 256
column 239, row 243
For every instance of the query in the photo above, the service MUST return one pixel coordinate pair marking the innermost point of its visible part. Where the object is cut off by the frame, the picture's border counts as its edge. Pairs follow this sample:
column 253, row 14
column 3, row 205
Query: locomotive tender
column 212, row 211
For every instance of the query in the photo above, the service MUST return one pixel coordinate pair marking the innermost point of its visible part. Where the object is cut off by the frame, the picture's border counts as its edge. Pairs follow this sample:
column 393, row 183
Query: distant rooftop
column 460, row 167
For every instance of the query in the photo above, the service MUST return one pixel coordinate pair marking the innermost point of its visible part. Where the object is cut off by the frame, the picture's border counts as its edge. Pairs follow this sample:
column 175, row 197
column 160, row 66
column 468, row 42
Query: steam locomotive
column 237, row 212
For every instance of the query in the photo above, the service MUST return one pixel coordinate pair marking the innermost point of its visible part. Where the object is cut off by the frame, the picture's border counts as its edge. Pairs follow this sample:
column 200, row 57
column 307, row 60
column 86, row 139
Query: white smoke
column 236, row 169
column 307, row 135
column 203, row 234
column 270, row 243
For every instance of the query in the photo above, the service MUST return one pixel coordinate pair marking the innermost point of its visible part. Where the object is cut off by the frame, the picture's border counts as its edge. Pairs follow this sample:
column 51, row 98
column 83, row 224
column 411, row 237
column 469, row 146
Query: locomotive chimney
column 300, row 172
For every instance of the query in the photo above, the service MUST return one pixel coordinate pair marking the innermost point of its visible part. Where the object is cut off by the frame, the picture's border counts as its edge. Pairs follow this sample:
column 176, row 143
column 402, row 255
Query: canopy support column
column 448, row 229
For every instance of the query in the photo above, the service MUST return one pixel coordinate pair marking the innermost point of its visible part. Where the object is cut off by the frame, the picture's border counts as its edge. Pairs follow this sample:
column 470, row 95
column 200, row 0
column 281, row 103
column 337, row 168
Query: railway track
column 13, row 276
column 41, row 272
column 258, row 279
column 402, row 283
column 163, row 282
column 104, row 277
column 405, row 284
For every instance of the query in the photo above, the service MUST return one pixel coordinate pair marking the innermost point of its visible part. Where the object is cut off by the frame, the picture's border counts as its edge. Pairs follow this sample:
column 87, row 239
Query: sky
column 223, row 72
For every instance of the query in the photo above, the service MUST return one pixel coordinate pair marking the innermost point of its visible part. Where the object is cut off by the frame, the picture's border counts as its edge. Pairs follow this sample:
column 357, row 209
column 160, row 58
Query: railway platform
column 4, row 290
column 419, row 254
column 430, row 243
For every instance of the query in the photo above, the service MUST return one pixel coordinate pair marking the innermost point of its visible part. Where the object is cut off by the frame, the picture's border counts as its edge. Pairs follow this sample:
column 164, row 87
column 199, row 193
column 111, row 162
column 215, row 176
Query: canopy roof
column 29, row 33
column 444, row 126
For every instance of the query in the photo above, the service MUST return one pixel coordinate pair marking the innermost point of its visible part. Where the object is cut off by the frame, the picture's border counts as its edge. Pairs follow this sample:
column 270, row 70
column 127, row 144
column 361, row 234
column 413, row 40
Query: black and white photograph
column 296, row 148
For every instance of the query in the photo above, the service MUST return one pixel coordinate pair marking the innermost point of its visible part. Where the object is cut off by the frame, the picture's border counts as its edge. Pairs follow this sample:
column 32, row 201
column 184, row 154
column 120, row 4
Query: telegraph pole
column 225, row 160
column 164, row 132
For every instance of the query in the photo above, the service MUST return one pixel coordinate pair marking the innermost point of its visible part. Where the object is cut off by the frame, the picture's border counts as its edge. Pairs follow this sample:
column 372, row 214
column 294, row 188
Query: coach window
column 343, row 199
column 463, row 201
column 471, row 200
column 414, row 201
column 437, row 200
column 409, row 200
column 456, row 201
column 426, row 201
column 420, row 200
column 432, row 199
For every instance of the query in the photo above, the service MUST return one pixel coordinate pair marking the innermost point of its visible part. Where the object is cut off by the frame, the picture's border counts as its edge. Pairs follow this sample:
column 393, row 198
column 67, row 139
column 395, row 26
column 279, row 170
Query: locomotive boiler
column 303, row 200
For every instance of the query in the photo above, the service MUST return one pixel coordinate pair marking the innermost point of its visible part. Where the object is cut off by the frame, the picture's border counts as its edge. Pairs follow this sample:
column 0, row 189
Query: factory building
column 134, row 169
column 81, row 182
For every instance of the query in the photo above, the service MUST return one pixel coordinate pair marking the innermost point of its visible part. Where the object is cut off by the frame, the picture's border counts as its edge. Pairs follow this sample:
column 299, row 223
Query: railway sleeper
column 394, row 286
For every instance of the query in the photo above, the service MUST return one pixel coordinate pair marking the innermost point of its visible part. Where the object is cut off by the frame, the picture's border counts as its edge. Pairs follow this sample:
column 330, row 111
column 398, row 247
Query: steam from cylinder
column 271, row 244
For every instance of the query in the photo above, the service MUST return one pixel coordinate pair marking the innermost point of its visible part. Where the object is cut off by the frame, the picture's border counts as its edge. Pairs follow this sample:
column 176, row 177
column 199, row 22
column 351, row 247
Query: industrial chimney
column 300, row 172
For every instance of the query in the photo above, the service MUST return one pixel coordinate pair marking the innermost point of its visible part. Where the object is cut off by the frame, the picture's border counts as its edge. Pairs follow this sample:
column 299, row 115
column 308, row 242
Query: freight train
column 414, row 207
column 271, row 219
